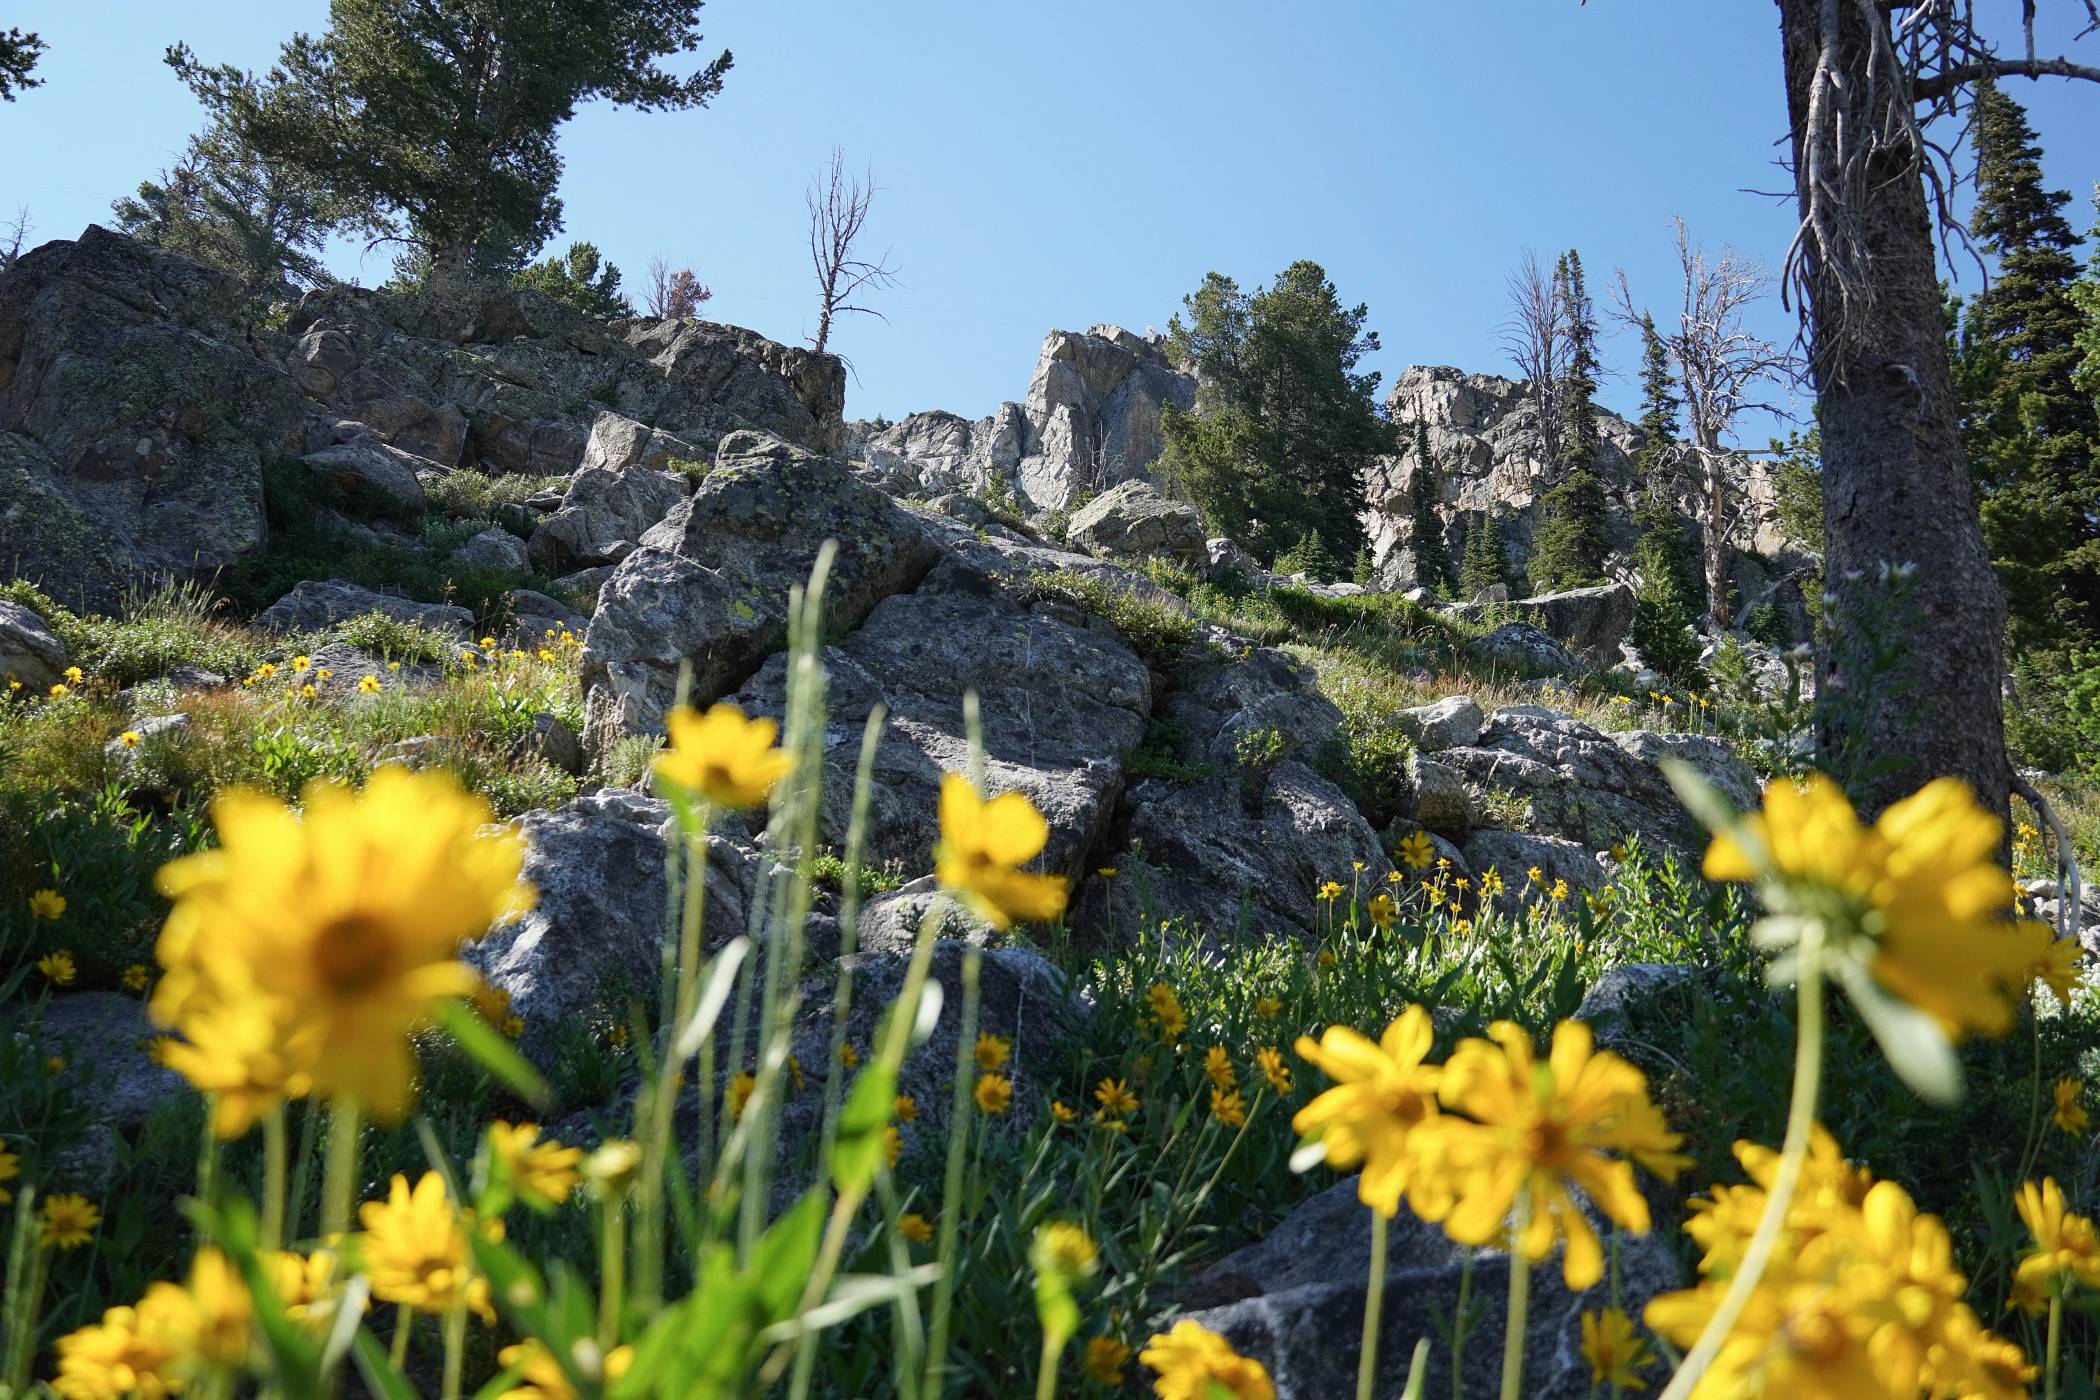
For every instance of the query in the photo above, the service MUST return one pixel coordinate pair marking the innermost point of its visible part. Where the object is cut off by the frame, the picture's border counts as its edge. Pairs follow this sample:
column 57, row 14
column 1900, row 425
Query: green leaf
column 1704, row 801
column 869, row 1107
column 378, row 1371
column 714, row 995
column 786, row 1253
column 1915, row 1046
column 496, row 1055
column 1417, row 1371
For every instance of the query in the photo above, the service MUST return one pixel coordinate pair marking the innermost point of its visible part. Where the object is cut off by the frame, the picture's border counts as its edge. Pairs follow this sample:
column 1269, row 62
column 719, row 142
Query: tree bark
column 1716, row 552
column 1896, row 488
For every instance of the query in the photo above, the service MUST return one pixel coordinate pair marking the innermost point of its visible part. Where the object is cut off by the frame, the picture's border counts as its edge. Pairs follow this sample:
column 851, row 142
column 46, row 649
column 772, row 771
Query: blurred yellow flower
column 368, row 686
column 1417, row 850
column 1167, row 1010
column 849, row 1058
column 58, row 967
column 2065, row 1245
column 10, row 1168
column 2070, row 1115
column 1063, row 1112
column 1228, row 1106
column 415, row 1249
column 46, row 904
column 1921, row 887
column 722, row 756
column 1195, row 1363
column 1106, row 1358
column 69, row 1221
column 994, row 1093
column 1538, row 1130
column 1115, row 1098
column 1383, row 1096
column 542, row 1377
column 543, row 1173
column 915, row 1227
column 906, row 1108
column 741, row 1086
column 131, row 1351
column 1274, row 1069
column 992, row 1050
column 136, row 978
column 1329, row 892
column 334, row 930
column 610, row 1170
column 1217, row 1064
column 982, row 847
column 130, row 739
column 1064, row 1250
column 1616, row 1352
column 1268, row 1008
column 75, row 675
column 892, row 1144
column 1382, row 911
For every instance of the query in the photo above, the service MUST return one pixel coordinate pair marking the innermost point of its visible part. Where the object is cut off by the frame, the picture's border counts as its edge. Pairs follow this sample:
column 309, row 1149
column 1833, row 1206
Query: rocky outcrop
column 708, row 587
column 1091, row 420
column 603, row 517
column 1061, row 703
column 28, row 651
column 319, row 604
column 1590, row 621
column 136, row 414
column 1133, row 521
column 1295, row 1302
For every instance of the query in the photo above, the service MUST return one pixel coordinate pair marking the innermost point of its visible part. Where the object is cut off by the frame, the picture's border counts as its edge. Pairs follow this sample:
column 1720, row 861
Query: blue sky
column 1059, row 165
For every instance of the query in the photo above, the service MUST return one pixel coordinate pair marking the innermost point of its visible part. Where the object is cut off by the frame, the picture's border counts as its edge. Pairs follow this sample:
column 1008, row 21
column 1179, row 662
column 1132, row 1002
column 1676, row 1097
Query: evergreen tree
column 18, row 55
column 2030, row 431
column 1570, row 547
column 1432, row 555
column 225, row 205
column 436, row 119
column 1659, row 403
column 578, row 279
column 1285, row 426
column 1484, row 563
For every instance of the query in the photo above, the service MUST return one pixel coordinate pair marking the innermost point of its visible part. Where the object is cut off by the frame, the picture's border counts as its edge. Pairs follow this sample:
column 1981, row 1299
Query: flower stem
column 612, row 1271
column 273, row 1180
column 404, row 1323
column 1800, row 1124
column 24, row 1297
column 339, row 1178
column 1374, row 1310
column 455, row 1348
column 1461, row 1324
column 952, row 1183
column 2056, row 1337
column 1519, row 1299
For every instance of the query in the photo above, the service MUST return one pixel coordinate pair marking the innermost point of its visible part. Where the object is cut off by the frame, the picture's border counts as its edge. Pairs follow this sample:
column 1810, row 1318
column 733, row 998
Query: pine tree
column 437, row 118
column 2030, row 431
column 1659, row 404
column 1285, row 426
column 1570, row 548
column 1432, row 555
column 1484, row 563
column 579, row 279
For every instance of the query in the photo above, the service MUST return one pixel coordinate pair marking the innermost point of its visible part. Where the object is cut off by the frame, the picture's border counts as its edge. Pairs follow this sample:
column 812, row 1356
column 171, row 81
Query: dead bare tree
column 838, row 211
column 1535, row 337
column 12, row 236
column 672, row 293
column 1723, row 369
column 1871, row 87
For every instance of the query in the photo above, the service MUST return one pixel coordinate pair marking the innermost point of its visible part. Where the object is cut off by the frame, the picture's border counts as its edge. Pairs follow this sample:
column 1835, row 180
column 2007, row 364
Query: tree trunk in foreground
column 1896, row 487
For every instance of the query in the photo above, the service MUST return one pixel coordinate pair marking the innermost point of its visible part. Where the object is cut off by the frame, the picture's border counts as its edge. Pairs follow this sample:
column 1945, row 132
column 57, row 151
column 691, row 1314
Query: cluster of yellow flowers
column 304, row 950
column 1861, row 1300
column 1492, row 1131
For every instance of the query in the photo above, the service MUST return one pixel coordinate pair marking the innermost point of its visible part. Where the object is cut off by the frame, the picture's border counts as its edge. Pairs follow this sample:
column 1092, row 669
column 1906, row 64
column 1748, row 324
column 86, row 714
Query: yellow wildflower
column 1268, row 1008
column 1064, row 1250
column 1383, row 1096
column 1538, row 1129
column 318, row 942
column 130, row 738
column 892, row 1144
column 75, row 675
column 722, row 756
column 1417, row 850
column 1195, row 1363
column 130, row 1352
column 1382, row 911
column 2070, row 1115
column 10, row 1168
column 1228, row 1106
column 1063, row 1112
column 992, row 1050
column 610, row 1170
column 906, row 1108
column 1217, row 1064
column 1274, row 1069
column 1329, row 891
column 1105, row 1359
column 136, row 978
column 58, row 967
column 541, row 1376
column 741, row 1085
column 849, row 1058
column 915, row 1227
column 542, row 1173
column 46, row 904
column 368, row 686
column 1616, row 1352
column 1167, row 1010
column 994, row 1093
column 1115, row 1098
column 69, row 1221
column 982, row 847
column 415, row 1249
column 2065, row 1245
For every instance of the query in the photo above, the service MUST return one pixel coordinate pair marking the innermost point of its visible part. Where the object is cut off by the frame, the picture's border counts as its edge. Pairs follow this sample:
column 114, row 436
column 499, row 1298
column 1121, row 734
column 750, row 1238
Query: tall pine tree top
column 1659, row 404
column 1432, row 555
column 1578, row 385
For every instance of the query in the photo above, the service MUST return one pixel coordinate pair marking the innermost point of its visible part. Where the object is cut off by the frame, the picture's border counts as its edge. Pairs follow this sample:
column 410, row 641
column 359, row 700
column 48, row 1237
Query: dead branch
column 838, row 210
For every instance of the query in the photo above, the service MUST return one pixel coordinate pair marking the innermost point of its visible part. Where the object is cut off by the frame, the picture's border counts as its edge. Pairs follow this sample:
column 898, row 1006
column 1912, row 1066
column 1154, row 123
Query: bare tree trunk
column 1715, row 548
column 1895, row 486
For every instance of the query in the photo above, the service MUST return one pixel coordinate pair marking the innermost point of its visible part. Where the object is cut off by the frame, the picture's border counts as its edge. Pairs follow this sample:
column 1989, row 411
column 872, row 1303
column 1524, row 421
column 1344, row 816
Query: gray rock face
column 28, row 651
column 603, row 517
column 1512, row 854
column 367, row 466
column 745, row 382
column 1295, row 1302
column 1091, row 419
column 710, row 584
column 1525, row 650
column 101, row 1035
column 493, row 549
column 1440, row 800
column 595, row 936
column 134, row 419
column 1061, row 706
column 1625, row 988
column 317, row 604
column 1133, row 521
column 617, row 442
column 1590, row 621
column 1597, row 788
column 1451, row 721
column 1266, row 836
